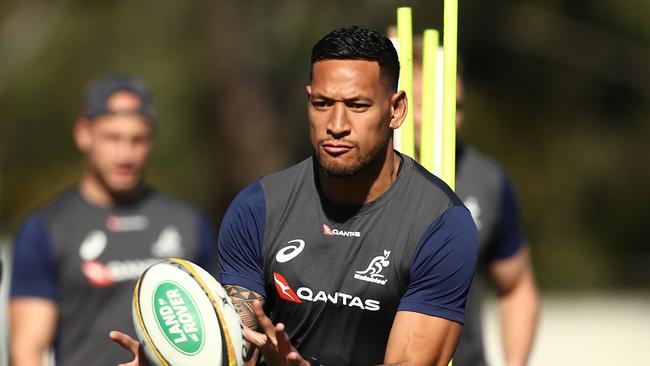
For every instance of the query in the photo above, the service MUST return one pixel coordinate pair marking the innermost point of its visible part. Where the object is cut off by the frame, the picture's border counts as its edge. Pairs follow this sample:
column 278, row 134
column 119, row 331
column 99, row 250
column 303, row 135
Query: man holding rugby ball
column 357, row 255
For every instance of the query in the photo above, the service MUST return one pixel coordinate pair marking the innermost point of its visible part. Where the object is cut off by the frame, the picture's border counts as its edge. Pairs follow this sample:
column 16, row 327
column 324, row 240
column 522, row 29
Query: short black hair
column 359, row 43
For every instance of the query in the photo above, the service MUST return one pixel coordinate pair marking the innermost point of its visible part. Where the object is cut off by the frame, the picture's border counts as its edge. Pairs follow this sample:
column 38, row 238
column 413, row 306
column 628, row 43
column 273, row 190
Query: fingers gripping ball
column 183, row 316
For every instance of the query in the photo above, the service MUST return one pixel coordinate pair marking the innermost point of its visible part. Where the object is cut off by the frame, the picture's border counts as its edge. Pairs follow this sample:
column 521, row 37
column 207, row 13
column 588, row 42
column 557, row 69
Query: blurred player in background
column 76, row 258
column 485, row 188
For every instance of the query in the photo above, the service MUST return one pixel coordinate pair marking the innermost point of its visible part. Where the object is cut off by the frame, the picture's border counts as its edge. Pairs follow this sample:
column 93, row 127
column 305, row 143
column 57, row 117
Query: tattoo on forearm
column 243, row 299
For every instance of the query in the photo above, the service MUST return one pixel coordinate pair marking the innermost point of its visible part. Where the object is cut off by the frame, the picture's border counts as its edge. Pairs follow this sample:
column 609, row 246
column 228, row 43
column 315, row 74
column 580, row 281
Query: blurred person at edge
column 76, row 259
column 485, row 189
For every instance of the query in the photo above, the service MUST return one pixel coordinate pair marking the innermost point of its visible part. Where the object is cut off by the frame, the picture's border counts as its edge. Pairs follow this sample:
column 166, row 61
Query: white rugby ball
column 183, row 316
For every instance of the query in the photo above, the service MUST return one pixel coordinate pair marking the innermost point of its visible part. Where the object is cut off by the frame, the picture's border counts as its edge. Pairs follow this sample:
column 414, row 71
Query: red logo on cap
column 284, row 290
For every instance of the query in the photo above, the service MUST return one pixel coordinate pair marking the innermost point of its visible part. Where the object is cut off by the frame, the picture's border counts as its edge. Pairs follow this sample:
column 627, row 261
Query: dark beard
column 360, row 164
column 122, row 196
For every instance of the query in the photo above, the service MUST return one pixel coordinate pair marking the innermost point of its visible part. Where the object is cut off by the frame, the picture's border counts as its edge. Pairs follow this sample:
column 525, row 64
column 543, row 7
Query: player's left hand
column 273, row 341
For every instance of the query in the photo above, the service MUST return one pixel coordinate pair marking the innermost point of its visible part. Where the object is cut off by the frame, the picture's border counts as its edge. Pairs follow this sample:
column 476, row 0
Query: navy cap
column 101, row 89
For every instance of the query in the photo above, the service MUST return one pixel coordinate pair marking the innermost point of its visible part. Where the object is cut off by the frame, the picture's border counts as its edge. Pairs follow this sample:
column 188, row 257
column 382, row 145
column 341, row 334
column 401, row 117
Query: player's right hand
column 131, row 345
column 273, row 341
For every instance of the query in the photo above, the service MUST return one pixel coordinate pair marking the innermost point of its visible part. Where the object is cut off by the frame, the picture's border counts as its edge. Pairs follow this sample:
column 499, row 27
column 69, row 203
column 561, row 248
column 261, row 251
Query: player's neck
column 365, row 187
column 95, row 192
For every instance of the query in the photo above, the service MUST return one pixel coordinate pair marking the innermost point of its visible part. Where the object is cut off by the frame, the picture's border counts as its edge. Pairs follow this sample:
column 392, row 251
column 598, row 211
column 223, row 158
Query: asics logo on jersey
column 306, row 294
column 93, row 245
column 290, row 251
column 331, row 232
column 283, row 288
column 372, row 273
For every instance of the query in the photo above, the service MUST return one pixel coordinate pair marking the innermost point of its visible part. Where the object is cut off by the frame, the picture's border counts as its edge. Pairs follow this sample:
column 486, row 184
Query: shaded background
column 557, row 90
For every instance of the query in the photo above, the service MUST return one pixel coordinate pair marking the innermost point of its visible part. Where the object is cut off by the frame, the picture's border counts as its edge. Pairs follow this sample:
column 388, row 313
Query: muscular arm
column 427, row 325
column 419, row 339
column 33, row 324
column 243, row 299
column 518, row 304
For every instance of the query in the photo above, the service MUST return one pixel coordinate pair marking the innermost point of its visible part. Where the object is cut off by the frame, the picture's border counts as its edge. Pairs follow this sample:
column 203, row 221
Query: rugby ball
column 183, row 316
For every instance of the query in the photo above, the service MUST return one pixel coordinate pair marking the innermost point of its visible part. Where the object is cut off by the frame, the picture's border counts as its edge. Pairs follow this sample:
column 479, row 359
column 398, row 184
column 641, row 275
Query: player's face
column 350, row 111
column 118, row 146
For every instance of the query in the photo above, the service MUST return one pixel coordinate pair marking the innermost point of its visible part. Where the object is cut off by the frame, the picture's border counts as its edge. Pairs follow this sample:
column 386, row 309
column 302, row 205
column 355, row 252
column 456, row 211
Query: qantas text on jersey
column 307, row 294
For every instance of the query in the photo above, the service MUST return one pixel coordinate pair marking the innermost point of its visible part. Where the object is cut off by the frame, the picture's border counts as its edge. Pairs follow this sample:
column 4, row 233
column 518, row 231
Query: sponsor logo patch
column 96, row 274
column 283, row 288
column 126, row 223
column 336, row 232
column 168, row 243
column 290, row 251
column 178, row 317
column 102, row 274
column 372, row 273
column 307, row 294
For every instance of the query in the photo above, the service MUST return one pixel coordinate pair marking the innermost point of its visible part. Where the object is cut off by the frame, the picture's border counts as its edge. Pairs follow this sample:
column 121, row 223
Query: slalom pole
column 430, row 43
column 405, row 39
column 450, row 38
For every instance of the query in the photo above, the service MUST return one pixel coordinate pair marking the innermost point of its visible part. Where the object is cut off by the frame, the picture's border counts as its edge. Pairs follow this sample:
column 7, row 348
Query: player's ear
column 398, row 109
column 82, row 134
column 308, row 92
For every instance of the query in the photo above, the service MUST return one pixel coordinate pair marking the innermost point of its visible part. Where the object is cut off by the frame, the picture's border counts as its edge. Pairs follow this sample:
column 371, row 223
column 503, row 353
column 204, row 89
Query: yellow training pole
column 391, row 32
column 437, row 116
column 405, row 37
column 449, row 92
column 427, row 130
